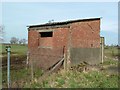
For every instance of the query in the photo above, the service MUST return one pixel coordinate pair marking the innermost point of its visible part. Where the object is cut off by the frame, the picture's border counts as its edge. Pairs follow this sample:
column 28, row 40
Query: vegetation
column 72, row 79
column 111, row 51
column 15, row 40
column 18, row 69
column 20, row 77
column 101, row 76
column 104, row 77
column 15, row 49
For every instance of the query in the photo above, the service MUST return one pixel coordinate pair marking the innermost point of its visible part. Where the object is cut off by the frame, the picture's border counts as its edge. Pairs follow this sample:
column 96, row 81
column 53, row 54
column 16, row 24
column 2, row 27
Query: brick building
column 79, row 40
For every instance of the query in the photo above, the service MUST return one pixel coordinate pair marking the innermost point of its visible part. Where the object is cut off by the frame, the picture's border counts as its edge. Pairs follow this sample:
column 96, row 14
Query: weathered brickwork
column 85, row 34
column 33, row 37
column 46, row 51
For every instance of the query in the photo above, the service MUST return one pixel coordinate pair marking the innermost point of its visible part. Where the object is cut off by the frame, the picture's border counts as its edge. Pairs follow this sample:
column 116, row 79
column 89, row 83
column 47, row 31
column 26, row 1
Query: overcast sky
column 16, row 16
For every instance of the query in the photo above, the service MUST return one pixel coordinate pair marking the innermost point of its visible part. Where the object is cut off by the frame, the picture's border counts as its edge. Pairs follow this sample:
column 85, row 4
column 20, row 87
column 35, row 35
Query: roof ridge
column 64, row 22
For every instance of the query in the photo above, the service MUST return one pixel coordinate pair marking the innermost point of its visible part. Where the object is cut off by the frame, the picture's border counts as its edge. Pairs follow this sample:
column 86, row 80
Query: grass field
column 15, row 49
column 103, row 76
column 111, row 51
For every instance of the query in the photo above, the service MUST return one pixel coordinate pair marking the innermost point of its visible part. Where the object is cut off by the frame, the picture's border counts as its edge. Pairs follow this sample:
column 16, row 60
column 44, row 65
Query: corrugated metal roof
column 62, row 23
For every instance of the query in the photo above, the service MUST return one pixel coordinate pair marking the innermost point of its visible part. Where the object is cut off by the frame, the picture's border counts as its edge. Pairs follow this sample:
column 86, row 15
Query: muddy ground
column 15, row 61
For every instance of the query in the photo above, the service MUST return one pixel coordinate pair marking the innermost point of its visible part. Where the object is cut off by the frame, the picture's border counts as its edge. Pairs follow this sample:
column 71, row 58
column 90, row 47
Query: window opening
column 46, row 34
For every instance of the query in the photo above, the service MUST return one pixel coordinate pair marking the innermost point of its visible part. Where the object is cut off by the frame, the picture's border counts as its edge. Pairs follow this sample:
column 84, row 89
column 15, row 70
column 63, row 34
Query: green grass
column 37, row 72
column 20, row 73
column 15, row 49
column 75, row 79
column 0, row 78
column 70, row 79
column 110, row 61
column 111, row 51
column 20, row 76
column 15, row 75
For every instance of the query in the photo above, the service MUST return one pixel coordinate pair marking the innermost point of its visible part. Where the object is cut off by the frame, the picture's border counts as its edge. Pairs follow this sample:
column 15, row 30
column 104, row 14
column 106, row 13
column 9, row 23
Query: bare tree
column 14, row 40
column 22, row 41
column 1, row 33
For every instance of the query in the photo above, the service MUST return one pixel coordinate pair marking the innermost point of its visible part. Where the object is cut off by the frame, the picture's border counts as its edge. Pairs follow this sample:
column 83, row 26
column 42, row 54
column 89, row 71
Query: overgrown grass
column 92, row 79
column 18, row 71
column 72, row 79
column 15, row 75
column 0, row 78
column 19, row 76
column 110, row 61
column 62, row 79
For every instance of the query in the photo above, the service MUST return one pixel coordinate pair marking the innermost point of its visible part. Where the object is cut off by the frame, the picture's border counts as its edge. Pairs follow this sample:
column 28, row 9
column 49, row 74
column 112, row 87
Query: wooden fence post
column 102, row 49
column 27, row 60
column 32, row 70
column 69, row 49
column 65, row 62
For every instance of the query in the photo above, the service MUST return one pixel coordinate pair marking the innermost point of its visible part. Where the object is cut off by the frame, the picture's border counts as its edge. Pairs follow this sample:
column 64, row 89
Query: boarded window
column 46, row 34
column 46, row 39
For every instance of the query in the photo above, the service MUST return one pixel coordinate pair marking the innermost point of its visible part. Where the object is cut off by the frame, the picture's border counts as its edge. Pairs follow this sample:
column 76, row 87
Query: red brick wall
column 33, row 38
column 84, row 34
column 46, row 42
column 43, row 56
column 60, row 38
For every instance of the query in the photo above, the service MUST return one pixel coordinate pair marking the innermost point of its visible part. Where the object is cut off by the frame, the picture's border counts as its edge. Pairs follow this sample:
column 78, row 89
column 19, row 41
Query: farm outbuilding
column 77, row 40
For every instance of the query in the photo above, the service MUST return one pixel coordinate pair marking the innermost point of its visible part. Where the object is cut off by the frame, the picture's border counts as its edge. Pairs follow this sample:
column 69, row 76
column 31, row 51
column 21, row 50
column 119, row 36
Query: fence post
column 8, row 64
column 27, row 60
column 65, row 62
column 69, row 49
column 32, row 70
column 102, row 49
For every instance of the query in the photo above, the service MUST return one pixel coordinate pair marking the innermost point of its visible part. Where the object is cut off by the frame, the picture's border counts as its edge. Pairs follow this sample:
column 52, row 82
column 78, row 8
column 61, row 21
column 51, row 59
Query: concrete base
column 88, row 55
